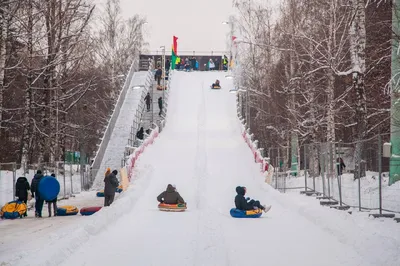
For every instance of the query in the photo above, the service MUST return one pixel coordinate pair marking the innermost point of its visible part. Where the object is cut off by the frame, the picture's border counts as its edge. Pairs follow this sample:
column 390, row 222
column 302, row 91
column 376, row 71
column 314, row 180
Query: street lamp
column 163, row 76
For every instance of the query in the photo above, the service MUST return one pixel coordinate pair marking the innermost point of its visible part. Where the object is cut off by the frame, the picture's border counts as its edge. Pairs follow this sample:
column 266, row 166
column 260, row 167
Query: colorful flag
column 174, row 52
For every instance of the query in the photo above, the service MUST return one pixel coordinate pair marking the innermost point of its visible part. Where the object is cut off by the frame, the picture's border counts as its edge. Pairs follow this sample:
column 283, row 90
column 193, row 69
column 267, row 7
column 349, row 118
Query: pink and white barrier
column 136, row 154
column 256, row 152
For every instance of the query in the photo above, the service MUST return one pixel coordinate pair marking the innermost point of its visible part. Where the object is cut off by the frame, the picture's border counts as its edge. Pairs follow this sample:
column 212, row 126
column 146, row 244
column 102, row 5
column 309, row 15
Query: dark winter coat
column 240, row 201
column 170, row 196
column 147, row 99
column 21, row 188
column 110, row 184
column 216, row 62
column 167, row 65
column 160, row 102
column 140, row 134
column 35, row 183
column 158, row 73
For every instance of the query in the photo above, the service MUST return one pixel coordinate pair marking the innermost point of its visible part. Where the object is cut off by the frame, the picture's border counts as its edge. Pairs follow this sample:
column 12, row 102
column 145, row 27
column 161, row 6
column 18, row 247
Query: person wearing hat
column 21, row 190
column 170, row 196
column 110, row 185
column 245, row 204
column 52, row 202
column 35, row 193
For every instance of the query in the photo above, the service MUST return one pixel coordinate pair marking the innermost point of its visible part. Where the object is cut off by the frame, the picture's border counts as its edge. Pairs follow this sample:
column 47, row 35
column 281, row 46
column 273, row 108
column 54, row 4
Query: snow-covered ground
column 369, row 188
column 201, row 150
column 121, row 131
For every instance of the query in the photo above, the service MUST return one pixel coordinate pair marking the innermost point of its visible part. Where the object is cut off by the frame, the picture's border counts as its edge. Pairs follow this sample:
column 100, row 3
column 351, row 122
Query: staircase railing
column 111, row 124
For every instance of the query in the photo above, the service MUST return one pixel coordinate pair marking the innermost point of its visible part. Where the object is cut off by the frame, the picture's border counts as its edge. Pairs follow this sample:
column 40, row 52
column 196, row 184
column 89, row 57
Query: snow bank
column 133, row 158
column 253, row 147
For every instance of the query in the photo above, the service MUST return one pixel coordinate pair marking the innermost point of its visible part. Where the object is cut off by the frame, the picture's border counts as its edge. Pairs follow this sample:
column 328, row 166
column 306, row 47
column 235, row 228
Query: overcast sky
column 197, row 23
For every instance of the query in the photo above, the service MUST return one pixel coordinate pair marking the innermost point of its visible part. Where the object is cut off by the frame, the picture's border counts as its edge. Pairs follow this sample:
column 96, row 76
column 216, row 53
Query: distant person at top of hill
column 216, row 84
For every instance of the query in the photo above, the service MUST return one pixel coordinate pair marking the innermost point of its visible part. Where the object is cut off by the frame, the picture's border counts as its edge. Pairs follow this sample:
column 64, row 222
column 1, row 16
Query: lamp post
column 232, row 31
column 394, row 173
column 163, row 76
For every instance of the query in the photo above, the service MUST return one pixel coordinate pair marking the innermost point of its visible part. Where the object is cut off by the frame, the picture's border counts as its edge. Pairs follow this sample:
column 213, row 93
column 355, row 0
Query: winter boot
column 266, row 208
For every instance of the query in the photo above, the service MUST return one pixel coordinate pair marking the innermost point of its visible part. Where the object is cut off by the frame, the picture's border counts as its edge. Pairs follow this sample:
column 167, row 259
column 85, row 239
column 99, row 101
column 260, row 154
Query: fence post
column 380, row 172
column 65, row 192
column 14, row 178
column 70, row 173
column 359, row 188
column 322, row 163
column 339, row 177
column 305, row 167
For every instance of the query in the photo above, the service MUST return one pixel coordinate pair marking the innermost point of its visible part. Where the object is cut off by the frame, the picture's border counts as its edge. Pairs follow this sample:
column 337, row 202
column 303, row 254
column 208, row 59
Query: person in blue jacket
column 245, row 204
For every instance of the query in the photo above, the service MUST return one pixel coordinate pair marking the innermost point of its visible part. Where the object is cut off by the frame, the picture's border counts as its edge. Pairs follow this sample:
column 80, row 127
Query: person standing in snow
column 340, row 165
column 170, row 196
column 21, row 190
column 140, row 134
column 225, row 63
column 52, row 202
column 216, row 64
column 211, row 65
column 110, row 185
column 160, row 105
column 148, row 101
column 245, row 204
column 35, row 193
column 158, row 76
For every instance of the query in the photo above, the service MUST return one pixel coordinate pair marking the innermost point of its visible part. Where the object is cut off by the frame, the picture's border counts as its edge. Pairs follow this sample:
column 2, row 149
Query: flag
column 174, row 52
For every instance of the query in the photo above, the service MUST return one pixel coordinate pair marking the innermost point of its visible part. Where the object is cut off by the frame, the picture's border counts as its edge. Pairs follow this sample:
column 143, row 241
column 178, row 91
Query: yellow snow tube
column 13, row 209
column 67, row 210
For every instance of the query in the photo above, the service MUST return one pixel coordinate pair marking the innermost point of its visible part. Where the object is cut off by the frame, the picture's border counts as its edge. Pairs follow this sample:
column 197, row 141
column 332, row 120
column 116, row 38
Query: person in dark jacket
column 216, row 84
column 245, row 204
column 35, row 193
column 167, row 65
column 52, row 202
column 158, row 76
column 110, row 185
column 21, row 190
column 216, row 64
column 340, row 165
column 148, row 101
column 160, row 104
column 170, row 196
column 140, row 134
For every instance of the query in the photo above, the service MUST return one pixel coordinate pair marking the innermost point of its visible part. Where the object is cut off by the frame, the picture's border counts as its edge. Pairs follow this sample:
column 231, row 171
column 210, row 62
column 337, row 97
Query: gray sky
column 197, row 23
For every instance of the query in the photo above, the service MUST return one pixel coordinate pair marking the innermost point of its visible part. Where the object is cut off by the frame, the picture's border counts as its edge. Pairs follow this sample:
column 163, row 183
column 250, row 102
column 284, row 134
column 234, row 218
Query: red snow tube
column 89, row 210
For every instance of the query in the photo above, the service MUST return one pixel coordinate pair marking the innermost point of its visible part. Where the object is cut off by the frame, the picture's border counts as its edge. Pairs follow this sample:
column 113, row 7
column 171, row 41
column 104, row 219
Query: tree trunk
column 27, row 134
column 357, row 52
column 3, row 52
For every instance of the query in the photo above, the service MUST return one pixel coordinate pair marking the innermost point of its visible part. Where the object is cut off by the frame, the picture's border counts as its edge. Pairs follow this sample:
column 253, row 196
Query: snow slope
column 201, row 150
column 120, row 134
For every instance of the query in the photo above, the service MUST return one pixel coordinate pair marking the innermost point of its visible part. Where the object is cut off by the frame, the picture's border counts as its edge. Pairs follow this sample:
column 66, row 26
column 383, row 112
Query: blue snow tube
column 235, row 213
column 48, row 188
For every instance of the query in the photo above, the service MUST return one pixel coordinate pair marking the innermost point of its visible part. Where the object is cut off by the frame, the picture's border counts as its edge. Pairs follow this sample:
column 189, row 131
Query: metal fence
column 333, row 171
column 73, row 178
